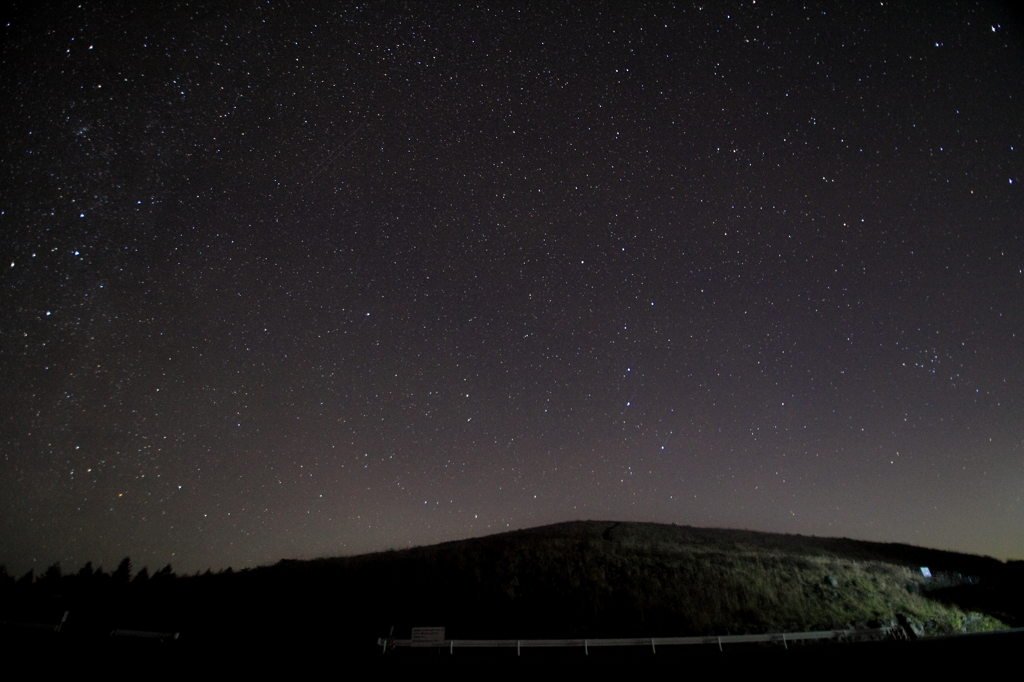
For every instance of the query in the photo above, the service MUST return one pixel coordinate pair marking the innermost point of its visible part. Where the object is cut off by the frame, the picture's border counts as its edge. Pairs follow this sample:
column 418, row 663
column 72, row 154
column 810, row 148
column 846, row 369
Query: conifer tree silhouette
column 123, row 573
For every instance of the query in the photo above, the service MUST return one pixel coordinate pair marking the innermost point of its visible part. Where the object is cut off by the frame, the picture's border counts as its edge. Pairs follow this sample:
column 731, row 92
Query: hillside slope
column 578, row 579
column 608, row 579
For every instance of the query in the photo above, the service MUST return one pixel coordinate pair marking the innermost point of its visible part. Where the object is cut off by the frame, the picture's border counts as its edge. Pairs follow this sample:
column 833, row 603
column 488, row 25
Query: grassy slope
column 587, row 578
column 610, row 579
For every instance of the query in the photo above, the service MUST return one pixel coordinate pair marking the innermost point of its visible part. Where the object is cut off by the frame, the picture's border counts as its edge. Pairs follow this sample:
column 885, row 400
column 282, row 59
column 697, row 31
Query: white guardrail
column 421, row 641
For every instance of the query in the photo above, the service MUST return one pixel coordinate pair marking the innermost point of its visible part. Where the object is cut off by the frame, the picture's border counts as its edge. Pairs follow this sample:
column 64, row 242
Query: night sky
column 312, row 279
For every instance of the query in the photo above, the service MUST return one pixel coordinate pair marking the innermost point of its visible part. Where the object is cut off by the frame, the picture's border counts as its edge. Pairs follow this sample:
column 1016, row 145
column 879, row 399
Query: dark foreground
column 167, row 659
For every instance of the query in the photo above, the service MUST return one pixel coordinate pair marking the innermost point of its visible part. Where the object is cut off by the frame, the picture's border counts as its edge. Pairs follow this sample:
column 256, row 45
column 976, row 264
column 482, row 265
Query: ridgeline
column 578, row 579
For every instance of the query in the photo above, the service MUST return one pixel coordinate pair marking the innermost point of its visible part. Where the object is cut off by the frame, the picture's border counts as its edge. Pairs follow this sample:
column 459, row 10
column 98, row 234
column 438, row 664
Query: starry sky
column 311, row 279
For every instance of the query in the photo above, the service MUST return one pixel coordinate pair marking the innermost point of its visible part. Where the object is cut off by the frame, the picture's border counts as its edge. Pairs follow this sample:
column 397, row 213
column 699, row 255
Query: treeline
column 88, row 577
column 55, row 578
column 92, row 602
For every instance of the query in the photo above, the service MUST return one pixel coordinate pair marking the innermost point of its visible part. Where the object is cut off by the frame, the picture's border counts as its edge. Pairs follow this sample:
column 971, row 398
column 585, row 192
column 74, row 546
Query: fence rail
column 653, row 642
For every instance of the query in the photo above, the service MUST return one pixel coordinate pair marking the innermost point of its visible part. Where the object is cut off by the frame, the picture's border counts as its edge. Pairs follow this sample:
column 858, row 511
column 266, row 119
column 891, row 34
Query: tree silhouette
column 123, row 573
column 164, row 573
column 53, row 573
column 50, row 580
column 6, row 579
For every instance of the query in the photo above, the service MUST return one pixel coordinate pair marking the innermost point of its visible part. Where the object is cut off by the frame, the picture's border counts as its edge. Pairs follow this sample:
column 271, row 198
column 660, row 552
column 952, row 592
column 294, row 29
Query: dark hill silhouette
column 594, row 578
column 577, row 579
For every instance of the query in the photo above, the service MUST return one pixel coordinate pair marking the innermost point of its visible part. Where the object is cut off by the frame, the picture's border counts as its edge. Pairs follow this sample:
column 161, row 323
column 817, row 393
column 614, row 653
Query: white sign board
column 427, row 636
column 925, row 572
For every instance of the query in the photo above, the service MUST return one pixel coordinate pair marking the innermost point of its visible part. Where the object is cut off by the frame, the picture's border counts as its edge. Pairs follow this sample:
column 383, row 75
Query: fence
column 653, row 642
